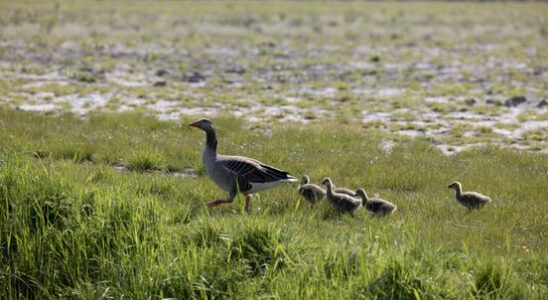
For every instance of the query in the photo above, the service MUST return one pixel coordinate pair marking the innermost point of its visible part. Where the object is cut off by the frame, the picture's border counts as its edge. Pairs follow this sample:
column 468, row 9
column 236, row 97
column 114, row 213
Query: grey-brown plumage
column 470, row 200
column 310, row 192
column 342, row 202
column 236, row 173
column 377, row 206
column 341, row 190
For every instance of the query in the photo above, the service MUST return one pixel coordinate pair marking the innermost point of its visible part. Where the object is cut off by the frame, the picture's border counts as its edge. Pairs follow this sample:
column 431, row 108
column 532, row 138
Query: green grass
column 100, row 206
column 73, row 227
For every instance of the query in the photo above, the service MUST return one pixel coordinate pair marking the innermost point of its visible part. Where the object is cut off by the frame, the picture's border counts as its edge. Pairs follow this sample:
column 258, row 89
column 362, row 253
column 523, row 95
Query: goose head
column 455, row 185
column 203, row 124
column 305, row 179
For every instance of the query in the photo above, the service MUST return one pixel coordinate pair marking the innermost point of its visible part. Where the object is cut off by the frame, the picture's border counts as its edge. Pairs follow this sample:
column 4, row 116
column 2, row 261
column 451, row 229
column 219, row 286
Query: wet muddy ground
column 459, row 75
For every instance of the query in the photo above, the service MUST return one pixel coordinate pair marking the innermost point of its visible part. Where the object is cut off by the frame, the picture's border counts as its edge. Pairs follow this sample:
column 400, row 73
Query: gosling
column 342, row 202
column 312, row 193
column 471, row 200
column 341, row 190
column 377, row 206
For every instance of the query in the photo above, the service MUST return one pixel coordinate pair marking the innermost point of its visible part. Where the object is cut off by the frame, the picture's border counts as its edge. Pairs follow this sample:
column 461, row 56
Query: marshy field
column 103, row 192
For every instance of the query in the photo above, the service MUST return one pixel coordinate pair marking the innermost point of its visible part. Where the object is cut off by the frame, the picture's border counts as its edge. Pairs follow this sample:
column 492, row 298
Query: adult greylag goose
column 310, row 192
column 471, row 200
column 340, row 201
column 377, row 206
column 236, row 173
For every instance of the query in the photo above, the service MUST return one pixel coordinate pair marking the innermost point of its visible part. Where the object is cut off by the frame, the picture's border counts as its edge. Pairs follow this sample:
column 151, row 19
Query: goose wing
column 248, row 171
column 475, row 199
column 375, row 205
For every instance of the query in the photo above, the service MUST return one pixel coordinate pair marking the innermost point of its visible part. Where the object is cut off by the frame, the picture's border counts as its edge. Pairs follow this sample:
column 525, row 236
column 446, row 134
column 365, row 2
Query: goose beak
column 195, row 124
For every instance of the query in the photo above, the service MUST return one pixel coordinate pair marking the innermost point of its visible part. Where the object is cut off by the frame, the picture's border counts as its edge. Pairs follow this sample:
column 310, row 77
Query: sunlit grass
column 96, row 231
column 100, row 206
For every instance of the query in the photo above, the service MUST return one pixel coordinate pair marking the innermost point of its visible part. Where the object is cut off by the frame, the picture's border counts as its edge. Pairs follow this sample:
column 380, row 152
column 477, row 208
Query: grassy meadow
column 103, row 193
column 75, row 226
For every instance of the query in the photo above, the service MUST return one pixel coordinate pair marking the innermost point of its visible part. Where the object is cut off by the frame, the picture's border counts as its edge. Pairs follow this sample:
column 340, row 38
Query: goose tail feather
column 291, row 178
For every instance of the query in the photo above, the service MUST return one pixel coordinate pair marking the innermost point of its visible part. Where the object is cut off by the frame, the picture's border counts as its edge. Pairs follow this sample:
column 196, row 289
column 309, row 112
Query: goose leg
column 248, row 203
column 218, row 202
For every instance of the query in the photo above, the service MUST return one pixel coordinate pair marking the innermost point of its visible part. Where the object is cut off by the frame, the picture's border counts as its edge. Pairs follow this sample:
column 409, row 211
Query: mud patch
column 456, row 87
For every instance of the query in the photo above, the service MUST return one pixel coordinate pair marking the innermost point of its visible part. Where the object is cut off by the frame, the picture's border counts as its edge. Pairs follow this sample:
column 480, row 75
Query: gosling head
column 361, row 193
column 327, row 181
column 203, row 124
column 305, row 179
column 455, row 185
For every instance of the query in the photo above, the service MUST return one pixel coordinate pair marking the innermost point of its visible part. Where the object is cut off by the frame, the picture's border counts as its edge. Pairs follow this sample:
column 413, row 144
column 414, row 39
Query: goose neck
column 329, row 189
column 458, row 191
column 211, row 141
column 365, row 199
column 362, row 196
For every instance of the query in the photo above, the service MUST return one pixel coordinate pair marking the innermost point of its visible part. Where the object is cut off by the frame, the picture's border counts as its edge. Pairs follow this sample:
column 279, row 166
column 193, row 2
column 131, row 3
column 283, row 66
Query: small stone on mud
column 187, row 172
column 160, row 83
column 236, row 70
column 193, row 77
column 470, row 101
column 268, row 44
column 248, row 21
column 161, row 73
column 515, row 101
column 121, row 167
column 344, row 99
column 375, row 58
column 86, row 77
column 492, row 102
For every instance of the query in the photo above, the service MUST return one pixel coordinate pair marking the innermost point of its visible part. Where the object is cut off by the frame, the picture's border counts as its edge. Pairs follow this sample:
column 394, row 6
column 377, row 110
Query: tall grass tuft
column 70, row 233
column 145, row 160
column 398, row 282
column 491, row 281
column 261, row 248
